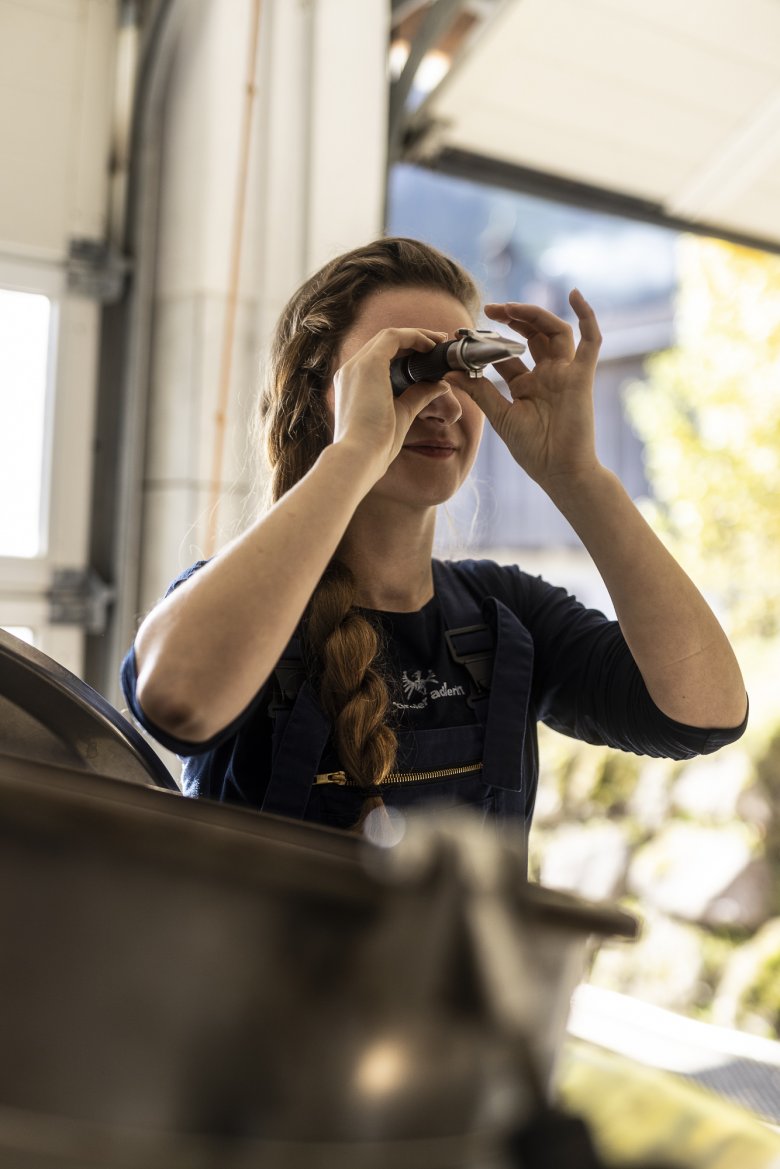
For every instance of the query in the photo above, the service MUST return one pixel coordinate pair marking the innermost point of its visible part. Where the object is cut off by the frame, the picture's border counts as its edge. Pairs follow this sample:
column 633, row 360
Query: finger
column 590, row 334
column 511, row 368
column 389, row 342
column 490, row 400
column 541, row 319
column 538, row 325
column 419, row 395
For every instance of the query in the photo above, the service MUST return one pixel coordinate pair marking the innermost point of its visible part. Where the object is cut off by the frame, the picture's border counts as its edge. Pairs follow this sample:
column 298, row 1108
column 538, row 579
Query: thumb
column 420, row 394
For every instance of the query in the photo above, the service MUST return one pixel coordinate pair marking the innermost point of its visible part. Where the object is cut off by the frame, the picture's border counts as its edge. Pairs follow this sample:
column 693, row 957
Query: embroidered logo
column 415, row 686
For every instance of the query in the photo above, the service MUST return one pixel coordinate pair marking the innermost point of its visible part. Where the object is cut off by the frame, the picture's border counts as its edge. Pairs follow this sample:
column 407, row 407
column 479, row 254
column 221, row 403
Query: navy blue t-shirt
column 427, row 688
column 585, row 684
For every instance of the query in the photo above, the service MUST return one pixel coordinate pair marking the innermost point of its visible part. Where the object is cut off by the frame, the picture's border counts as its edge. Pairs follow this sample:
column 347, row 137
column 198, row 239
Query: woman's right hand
column 366, row 413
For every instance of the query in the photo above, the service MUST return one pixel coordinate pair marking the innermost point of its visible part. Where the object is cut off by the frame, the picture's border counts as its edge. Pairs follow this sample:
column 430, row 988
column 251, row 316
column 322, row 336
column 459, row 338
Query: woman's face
column 415, row 477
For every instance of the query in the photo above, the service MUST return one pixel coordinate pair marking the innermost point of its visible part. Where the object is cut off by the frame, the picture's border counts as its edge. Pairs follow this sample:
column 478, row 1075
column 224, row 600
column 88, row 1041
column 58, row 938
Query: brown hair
column 342, row 645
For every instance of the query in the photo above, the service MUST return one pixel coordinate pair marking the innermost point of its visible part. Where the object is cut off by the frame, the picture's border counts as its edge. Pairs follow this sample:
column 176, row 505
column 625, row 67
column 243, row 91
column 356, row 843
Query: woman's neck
column 390, row 560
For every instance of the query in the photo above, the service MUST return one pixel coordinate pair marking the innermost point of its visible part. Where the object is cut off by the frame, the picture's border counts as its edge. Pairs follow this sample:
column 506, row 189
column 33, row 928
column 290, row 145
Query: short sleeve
column 188, row 572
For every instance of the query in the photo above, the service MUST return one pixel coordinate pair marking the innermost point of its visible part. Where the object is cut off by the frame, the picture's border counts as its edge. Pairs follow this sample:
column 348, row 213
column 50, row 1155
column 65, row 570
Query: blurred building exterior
column 529, row 249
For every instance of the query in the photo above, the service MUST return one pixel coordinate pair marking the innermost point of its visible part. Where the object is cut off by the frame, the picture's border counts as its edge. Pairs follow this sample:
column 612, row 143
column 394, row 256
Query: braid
column 353, row 693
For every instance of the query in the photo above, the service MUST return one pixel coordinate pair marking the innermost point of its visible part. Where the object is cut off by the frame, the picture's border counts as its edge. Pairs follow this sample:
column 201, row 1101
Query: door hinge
column 96, row 270
column 79, row 597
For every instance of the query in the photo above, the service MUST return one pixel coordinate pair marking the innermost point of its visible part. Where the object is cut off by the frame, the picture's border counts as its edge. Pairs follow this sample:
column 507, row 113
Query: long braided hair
column 342, row 646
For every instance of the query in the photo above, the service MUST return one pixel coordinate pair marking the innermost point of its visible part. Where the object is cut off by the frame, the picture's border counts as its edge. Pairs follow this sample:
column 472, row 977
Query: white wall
column 57, row 60
column 317, row 176
column 56, row 81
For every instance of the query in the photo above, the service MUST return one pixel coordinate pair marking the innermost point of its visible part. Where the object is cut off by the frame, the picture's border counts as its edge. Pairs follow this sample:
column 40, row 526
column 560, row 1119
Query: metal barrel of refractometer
column 464, row 353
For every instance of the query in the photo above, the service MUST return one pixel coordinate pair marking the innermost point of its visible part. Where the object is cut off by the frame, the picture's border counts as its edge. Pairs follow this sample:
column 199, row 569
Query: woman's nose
column 446, row 408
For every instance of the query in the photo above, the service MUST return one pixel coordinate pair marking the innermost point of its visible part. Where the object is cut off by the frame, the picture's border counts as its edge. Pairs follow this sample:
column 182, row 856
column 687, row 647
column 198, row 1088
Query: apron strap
column 503, row 675
column 472, row 646
column 298, row 747
column 510, row 692
column 289, row 676
column 469, row 640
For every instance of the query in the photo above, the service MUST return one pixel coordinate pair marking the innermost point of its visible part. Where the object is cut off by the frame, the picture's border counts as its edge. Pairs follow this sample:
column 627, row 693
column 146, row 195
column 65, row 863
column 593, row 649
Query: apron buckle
column 475, row 653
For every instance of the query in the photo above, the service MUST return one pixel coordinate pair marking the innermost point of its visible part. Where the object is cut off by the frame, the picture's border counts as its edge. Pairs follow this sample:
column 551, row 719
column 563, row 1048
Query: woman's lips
column 431, row 452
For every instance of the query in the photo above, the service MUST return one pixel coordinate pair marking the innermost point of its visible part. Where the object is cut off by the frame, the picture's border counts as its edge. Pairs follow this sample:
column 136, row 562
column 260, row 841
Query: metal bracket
column 79, row 597
column 96, row 270
column 437, row 18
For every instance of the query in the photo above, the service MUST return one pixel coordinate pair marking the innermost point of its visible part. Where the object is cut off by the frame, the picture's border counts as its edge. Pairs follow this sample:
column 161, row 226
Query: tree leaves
column 709, row 415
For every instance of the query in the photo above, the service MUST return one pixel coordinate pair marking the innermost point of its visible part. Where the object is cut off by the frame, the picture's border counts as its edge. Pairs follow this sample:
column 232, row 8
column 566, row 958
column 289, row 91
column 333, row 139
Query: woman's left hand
column 548, row 423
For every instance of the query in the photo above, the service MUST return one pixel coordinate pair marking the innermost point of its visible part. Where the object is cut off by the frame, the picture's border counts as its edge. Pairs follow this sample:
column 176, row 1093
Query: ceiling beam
column 437, row 19
column 494, row 172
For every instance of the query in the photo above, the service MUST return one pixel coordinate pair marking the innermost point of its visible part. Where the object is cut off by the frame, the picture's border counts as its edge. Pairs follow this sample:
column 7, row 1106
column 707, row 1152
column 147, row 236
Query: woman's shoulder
column 185, row 574
column 530, row 596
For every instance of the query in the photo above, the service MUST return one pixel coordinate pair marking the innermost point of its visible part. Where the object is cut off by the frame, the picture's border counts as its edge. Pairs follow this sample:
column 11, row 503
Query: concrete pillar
column 316, row 187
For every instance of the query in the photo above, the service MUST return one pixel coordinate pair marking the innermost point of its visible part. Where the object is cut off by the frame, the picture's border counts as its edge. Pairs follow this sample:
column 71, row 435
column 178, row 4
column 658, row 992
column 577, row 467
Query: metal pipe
column 159, row 41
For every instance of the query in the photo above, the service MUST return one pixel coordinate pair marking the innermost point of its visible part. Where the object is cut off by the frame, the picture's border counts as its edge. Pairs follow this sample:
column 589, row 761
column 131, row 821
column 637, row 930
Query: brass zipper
column 340, row 777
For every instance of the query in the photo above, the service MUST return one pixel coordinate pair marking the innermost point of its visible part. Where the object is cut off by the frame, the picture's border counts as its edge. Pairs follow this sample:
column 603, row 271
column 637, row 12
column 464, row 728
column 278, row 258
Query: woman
column 323, row 664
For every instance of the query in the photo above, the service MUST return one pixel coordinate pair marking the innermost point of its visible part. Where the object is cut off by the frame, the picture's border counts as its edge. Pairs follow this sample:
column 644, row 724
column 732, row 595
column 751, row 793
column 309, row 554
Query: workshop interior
column 187, row 984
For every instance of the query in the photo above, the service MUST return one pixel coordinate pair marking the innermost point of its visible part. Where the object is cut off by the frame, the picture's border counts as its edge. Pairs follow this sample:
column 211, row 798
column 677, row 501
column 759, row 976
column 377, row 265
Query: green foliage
column 716, row 950
column 615, row 784
column 709, row 415
column 768, row 775
column 762, row 998
column 768, row 767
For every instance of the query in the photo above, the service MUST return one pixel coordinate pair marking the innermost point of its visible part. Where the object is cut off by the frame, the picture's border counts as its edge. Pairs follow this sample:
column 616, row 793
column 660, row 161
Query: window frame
column 25, row 582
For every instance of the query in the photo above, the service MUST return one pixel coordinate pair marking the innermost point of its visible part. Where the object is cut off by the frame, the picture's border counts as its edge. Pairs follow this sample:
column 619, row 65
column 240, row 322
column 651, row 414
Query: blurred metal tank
column 186, row 984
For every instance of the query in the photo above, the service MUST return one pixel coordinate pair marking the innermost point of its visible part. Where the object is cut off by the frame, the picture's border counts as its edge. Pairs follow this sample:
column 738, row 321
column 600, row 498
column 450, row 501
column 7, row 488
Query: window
column 25, row 322
column 521, row 247
column 48, row 345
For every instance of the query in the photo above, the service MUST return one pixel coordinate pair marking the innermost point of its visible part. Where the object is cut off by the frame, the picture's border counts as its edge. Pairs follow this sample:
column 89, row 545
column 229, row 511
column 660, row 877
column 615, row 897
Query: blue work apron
column 492, row 643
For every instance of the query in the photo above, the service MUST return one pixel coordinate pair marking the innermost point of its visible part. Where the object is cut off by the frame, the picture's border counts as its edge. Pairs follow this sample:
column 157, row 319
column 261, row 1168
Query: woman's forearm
column 204, row 652
column 679, row 646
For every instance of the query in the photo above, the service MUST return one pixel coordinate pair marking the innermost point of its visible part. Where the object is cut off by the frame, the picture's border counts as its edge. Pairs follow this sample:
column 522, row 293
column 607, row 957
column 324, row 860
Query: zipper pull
column 339, row 777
